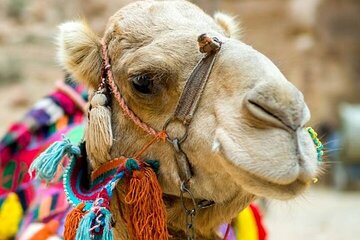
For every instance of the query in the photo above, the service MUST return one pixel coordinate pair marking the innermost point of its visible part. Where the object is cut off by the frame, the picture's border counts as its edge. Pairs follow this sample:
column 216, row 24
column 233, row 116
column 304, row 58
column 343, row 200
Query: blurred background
column 315, row 43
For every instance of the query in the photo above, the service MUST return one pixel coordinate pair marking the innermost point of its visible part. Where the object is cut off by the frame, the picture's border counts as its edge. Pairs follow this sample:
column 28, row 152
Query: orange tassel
column 72, row 222
column 47, row 231
column 147, row 215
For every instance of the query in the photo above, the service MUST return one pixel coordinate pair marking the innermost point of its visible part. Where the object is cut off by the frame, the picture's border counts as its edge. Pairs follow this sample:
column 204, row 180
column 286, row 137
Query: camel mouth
column 283, row 178
column 264, row 188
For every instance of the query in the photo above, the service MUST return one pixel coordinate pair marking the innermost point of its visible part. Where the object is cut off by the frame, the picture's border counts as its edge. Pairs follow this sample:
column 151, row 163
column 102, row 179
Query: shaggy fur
column 229, row 24
column 247, row 137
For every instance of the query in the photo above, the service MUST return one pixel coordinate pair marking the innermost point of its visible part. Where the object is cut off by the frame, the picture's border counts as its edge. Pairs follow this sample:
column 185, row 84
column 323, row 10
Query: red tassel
column 47, row 231
column 72, row 222
column 146, row 209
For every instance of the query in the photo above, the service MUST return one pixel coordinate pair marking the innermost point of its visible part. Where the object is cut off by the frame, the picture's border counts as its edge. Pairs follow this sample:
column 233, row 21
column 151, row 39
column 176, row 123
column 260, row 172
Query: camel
column 247, row 138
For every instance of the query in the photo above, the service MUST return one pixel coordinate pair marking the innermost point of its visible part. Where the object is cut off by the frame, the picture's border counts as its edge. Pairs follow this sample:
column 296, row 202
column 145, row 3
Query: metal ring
column 184, row 189
column 180, row 139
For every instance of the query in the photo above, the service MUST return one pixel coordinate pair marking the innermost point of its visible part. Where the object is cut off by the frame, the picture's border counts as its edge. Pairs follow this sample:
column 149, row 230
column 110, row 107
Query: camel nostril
column 265, row 109
column 280, row 105
column 265, row 113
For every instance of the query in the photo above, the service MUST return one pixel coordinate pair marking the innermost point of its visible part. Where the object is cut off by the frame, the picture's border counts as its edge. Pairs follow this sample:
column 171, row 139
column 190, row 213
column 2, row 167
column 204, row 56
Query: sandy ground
column 321, row 214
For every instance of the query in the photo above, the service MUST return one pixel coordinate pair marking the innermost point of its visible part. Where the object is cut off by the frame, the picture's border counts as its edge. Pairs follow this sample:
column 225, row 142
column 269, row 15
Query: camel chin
column 281, row 169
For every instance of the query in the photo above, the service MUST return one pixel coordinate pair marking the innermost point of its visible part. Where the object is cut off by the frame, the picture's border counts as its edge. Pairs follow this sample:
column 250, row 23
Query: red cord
column 127, row 111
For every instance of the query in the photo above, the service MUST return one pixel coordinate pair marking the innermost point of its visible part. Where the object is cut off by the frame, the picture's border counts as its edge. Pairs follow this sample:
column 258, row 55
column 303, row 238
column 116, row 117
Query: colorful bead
column 318, row 145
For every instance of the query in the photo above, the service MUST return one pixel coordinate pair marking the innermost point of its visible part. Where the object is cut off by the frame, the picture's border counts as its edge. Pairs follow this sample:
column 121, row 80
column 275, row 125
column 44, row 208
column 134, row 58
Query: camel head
column 248, row 135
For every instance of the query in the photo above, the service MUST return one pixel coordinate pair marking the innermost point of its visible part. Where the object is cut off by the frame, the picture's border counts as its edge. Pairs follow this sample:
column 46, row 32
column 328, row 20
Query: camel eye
column 143, row 84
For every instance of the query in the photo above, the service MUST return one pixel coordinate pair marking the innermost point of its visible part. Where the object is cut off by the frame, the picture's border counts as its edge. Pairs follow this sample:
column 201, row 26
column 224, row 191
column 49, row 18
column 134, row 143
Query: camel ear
column 229, row 24
column 79, row 52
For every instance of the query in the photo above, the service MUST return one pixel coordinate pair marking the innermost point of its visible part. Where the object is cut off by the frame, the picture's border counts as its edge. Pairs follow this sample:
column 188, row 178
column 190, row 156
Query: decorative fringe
column 146, row 215
column 72, row 222
column 147, row 220
column 83, row 230
column 47, row 163
column 95, row 223
column 99, row 135
column 47, row 231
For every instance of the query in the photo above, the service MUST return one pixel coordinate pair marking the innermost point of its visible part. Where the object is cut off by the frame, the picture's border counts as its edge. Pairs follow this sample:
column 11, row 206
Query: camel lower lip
column 259, row 186
column 264, row 188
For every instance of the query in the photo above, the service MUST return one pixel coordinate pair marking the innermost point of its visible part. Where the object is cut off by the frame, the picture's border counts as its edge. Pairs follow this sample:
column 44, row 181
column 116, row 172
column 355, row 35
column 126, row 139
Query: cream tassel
column 99, row 137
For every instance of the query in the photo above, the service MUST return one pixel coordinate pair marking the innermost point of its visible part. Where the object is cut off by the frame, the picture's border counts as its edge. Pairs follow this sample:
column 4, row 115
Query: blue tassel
column 86, row 229
column 83, row 231
column 107, row 233
column 47, row 163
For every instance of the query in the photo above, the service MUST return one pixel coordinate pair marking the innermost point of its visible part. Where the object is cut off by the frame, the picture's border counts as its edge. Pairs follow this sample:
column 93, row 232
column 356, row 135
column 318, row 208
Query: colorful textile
column 246, row 226
column 51, row 116
column 45, row 123
column 10, row 216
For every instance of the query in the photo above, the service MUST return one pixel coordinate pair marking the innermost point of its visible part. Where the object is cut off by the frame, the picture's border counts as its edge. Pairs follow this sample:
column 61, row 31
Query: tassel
column 99, row 135
column 147, row 220
column 72, row 222
column 47, row 231
column 83, row 231
column 107, row 233
column 11, row 214
column 47, row 163
column 96, row 224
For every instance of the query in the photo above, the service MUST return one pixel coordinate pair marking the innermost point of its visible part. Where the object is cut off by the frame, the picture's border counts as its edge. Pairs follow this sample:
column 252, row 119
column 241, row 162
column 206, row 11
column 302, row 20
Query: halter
column 183, row 115
column 92, row 219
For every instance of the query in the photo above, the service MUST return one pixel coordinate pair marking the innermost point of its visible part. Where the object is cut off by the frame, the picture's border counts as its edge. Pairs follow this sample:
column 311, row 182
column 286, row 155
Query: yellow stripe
column 245, row 225
column 10, row 216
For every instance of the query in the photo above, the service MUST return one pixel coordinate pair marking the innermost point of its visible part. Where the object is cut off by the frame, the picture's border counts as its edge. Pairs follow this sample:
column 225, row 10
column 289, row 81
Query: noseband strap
column 195, row 85
column 189, row 101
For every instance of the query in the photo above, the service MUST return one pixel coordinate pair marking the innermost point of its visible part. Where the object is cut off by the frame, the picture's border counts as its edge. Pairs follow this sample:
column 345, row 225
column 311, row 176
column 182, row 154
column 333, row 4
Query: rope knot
column 162, row 136
column 132, row 165
column 73, row 150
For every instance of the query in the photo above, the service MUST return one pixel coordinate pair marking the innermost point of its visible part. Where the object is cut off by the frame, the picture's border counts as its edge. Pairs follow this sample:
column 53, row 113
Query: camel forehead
column 152, row 18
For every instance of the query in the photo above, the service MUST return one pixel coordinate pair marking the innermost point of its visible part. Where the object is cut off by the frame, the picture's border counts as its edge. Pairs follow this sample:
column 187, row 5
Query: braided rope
column 127, row 111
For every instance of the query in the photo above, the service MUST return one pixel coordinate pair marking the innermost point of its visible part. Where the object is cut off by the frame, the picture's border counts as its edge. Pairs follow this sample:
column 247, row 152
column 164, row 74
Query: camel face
column 259, row 125
column 247, row 136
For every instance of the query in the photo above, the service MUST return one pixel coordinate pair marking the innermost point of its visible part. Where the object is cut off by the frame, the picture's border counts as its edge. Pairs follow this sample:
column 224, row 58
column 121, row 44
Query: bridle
column 183, row 115
column 189, row 101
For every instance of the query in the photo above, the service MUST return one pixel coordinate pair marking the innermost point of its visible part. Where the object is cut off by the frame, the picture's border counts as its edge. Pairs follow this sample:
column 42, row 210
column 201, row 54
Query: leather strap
column 195, row 84
column 189, row 101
